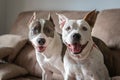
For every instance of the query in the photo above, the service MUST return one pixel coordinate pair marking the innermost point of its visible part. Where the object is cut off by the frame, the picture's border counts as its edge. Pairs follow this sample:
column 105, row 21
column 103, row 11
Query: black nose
column 76, row 36
column 41, row 41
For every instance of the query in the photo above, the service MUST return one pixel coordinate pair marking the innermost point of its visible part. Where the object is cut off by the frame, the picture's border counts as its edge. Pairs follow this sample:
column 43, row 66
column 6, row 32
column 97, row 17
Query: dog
column 48, row 45
column 83, row 60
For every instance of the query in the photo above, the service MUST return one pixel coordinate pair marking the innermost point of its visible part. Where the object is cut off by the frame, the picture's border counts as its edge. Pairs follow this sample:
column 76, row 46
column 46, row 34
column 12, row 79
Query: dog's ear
column 90, row 18
column 33, row 17
column 62, row 20
column 51, row 19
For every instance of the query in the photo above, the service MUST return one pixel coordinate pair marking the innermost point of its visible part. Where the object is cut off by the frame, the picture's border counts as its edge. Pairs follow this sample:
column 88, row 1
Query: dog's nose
column 76, row 36
column 41, row 41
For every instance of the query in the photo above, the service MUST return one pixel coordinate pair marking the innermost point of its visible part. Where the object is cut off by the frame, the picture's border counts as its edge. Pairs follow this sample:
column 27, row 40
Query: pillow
column 8, row 71
column 107, row 27
column 10, row 45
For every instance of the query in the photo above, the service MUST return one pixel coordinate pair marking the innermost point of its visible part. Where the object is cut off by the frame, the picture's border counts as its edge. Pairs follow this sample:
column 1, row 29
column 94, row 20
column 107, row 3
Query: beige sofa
column 106, row 28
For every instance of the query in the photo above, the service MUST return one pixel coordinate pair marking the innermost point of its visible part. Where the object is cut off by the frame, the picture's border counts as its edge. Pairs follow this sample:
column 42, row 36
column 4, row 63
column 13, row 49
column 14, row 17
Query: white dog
column 82, row 60
column 48, row 46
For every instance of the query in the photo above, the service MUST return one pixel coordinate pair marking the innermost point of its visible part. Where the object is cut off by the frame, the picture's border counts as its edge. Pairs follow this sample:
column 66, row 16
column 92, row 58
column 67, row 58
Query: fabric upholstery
column 107, row 27
column 5, row 51
column 8, row 71
column 10, row 45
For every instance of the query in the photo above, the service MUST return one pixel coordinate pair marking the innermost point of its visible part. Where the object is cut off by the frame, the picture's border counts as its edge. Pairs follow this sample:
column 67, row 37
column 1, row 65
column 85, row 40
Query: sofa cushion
column 10, row 45
column 107, row 27
column 8, row 71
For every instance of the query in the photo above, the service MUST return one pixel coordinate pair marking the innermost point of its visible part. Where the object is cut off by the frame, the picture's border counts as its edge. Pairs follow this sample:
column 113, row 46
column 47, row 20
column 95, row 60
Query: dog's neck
column 54, row 47
column 84, row 54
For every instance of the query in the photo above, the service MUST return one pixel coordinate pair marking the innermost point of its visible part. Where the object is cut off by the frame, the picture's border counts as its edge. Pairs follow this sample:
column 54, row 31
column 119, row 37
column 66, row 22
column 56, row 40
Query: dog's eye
column 36, row 30
column 48, row 30
column 68, row 28
column 84, row 28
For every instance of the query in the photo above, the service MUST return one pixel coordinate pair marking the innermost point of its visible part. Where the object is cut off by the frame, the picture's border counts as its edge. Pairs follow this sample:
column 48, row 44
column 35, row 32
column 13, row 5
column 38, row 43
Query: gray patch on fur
column 49, row 29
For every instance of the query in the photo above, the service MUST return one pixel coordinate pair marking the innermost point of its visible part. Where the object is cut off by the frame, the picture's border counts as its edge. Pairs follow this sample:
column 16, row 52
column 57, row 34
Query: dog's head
column 41, row 32
column 76, row 34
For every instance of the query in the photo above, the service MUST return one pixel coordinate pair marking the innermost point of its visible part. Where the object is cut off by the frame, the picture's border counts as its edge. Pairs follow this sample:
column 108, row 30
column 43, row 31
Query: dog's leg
column 46, row 74
column 67, row 77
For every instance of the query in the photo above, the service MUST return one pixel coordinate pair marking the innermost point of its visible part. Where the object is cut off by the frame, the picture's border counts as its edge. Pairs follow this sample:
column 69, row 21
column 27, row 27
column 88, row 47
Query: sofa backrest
column 107, row 27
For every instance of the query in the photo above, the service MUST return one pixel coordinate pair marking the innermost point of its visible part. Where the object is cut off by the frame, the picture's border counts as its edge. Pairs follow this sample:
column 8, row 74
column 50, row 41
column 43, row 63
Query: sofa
column 18, row 62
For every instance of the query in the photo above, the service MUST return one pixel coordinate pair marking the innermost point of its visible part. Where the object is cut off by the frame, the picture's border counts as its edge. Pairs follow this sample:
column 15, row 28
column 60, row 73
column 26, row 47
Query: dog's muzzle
column 76, row 48
column 41, row 47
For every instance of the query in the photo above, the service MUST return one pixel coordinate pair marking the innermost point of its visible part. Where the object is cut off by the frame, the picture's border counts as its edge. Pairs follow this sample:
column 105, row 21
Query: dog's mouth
column 76, row 48
column 41, row 48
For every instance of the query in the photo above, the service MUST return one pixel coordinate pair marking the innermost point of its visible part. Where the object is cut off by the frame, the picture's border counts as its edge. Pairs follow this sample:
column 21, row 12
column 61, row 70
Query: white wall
column 16, row 6
column 2, row 16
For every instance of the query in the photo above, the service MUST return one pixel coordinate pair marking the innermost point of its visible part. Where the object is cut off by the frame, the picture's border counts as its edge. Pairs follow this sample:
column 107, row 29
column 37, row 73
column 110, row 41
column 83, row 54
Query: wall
column 2, row 16
column 14, row 7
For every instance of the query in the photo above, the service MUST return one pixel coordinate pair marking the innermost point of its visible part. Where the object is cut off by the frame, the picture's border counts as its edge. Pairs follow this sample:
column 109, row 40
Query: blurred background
column 9, row 9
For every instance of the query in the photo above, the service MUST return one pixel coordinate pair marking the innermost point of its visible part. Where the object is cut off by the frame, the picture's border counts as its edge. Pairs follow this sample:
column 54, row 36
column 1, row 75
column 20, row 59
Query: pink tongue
column 41, row 48
column 76, row 48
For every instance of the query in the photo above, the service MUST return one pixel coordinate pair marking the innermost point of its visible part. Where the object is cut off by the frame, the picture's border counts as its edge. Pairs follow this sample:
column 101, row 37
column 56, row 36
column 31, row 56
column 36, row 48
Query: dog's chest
column 89, row 67
column 49, row 63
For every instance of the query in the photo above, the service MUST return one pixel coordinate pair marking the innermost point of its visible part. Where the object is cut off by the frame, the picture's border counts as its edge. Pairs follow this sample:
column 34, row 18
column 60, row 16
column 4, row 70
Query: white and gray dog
column 47, row 44
column 82, row 60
